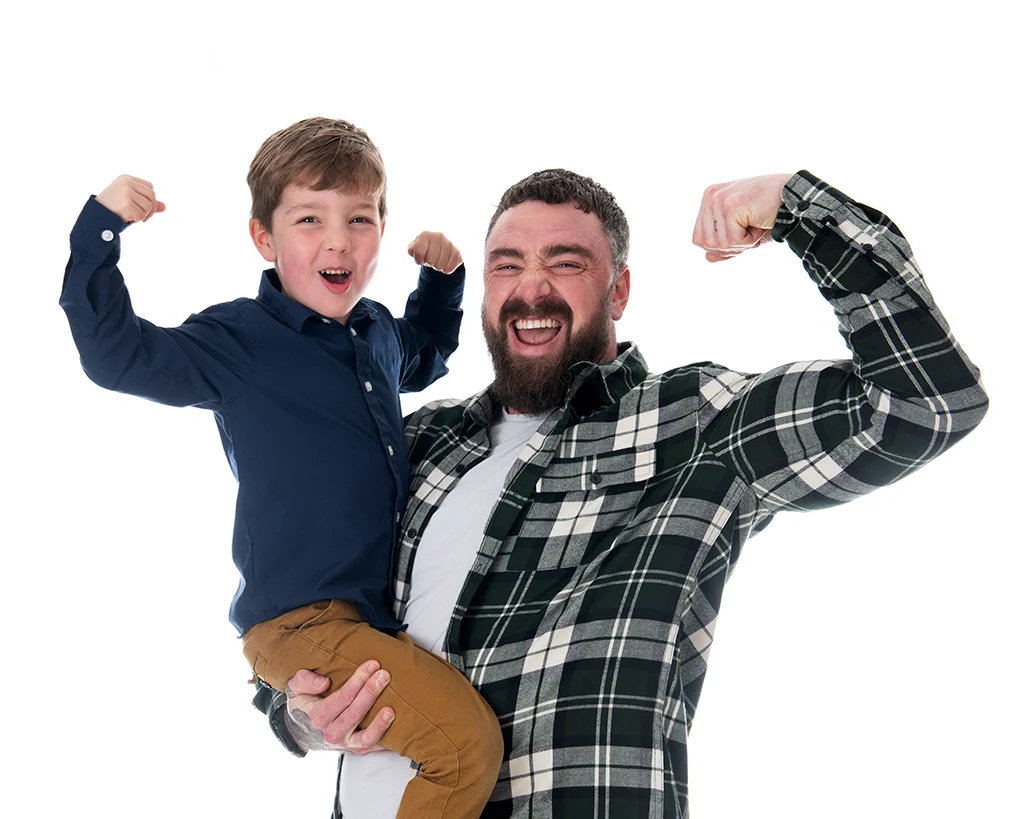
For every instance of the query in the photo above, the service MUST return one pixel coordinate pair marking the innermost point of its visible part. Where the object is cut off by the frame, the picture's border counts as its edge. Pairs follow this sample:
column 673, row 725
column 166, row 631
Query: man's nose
column 534, row 284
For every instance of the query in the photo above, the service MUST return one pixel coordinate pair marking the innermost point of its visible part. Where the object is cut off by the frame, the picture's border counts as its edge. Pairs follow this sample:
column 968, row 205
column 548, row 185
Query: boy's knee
column 486, row 747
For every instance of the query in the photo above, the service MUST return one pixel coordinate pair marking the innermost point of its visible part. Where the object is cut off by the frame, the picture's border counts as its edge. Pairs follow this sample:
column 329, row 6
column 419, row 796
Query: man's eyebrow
column 505, row 253
column 566, row 250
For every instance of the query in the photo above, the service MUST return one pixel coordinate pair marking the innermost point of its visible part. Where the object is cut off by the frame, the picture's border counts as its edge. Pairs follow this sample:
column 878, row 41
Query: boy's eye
column 307, row 220
column 362, row 220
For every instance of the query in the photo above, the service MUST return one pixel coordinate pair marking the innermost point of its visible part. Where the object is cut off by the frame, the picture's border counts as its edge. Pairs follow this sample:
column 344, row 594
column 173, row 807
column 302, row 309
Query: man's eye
column 567, row 267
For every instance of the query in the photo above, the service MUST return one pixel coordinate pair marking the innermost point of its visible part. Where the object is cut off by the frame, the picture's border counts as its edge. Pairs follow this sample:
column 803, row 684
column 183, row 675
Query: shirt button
column 390, row 450
column 325, row 321
column 352, row 330
column 867, row 248
column 803, row 205
column 596, row 478
column 412, row 533
column 107, row 236
column 369, row 386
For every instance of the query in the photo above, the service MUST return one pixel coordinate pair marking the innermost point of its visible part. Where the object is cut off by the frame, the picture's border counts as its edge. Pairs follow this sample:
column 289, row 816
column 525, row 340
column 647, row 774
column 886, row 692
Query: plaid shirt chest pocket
column 579, row 506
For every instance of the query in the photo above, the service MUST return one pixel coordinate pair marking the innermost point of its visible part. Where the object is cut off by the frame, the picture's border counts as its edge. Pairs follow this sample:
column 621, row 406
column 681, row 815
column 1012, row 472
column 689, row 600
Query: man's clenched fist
column 738, row 216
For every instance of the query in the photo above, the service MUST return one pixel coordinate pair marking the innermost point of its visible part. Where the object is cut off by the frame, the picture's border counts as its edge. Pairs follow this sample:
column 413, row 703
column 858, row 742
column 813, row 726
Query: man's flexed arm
column 816, row 433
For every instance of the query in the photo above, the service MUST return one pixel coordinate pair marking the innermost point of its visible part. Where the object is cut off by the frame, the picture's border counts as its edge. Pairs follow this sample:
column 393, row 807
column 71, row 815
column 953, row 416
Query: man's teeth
column 536, row 324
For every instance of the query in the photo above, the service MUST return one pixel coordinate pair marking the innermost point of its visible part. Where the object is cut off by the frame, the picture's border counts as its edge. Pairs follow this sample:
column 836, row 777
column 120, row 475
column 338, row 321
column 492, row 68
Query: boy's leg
column 441, row 722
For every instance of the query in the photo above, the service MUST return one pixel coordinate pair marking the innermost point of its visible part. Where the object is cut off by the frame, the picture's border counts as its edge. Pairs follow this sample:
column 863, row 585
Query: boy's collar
column 292, row 313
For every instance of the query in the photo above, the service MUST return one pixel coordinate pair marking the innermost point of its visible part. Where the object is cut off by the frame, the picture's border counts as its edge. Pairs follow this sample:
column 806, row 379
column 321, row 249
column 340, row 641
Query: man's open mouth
column 536, row 331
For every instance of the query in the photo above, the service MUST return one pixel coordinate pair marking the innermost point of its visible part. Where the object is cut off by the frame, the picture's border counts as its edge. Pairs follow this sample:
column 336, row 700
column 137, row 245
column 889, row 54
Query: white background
column 867, row 658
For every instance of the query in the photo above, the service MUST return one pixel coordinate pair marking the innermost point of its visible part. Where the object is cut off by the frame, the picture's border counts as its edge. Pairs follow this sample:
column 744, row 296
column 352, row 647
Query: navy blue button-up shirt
column 307, row 409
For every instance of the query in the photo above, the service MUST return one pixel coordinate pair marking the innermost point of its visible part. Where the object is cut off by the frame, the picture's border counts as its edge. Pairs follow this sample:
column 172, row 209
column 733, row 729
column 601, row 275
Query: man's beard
column 538, row 385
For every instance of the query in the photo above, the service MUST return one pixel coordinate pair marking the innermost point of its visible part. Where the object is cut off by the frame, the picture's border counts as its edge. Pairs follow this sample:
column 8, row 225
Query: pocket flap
column 593, row 472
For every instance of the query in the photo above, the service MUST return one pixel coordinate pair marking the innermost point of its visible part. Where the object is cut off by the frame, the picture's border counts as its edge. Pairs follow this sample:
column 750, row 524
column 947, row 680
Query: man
column 576, row 576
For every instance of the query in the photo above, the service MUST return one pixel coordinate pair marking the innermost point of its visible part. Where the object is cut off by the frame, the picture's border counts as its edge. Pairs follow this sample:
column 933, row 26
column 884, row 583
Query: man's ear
column 620, row 293
column 263, row 240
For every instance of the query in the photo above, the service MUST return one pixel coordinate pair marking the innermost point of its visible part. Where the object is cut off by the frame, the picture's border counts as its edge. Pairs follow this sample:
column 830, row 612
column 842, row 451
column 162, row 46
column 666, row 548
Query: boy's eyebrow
column 303, row 206
column 504, row 253
column 367, row 204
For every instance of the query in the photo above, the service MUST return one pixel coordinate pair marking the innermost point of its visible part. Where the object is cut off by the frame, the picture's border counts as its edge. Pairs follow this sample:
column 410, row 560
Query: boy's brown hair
column 320, row 153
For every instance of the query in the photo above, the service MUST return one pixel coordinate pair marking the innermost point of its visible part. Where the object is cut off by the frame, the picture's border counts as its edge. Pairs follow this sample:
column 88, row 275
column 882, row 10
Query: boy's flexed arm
column 429, row 331
column 203, row 362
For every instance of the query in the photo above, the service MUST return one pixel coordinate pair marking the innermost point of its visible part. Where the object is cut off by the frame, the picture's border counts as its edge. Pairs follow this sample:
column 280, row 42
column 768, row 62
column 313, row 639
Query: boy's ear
column 382, row 223
column 263, row 240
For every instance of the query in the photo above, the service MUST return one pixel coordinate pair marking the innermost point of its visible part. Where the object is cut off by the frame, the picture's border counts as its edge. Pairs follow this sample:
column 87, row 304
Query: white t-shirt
column 372, row 785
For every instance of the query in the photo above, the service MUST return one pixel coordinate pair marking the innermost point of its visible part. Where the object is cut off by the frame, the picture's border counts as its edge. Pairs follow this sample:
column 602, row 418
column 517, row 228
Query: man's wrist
column 274, row 704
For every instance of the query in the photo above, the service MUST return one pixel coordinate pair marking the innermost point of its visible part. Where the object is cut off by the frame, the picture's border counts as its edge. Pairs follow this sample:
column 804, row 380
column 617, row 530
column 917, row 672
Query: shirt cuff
column 808, row 202
column 441, row 289
column 97, row 229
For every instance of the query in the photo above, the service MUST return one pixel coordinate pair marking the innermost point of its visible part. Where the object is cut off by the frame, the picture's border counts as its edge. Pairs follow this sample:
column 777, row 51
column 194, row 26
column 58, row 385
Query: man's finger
column 306, row 682
column 339, row 716
column 351, row 702
column 369, row 738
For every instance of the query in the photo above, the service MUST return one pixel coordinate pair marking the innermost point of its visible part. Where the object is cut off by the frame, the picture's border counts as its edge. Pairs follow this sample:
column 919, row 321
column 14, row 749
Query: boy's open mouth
column 336, row 275
column 337, row 280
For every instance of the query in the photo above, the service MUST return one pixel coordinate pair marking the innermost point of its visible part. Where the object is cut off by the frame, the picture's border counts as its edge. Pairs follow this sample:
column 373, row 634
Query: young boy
column 303, row 382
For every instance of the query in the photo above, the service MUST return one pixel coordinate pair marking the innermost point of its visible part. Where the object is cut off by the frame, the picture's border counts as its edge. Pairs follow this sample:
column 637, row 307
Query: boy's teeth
column 536, row 324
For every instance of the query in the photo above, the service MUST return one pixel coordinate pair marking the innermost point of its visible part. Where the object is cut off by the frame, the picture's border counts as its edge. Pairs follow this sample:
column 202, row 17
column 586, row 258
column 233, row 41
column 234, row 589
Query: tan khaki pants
column 441, row 722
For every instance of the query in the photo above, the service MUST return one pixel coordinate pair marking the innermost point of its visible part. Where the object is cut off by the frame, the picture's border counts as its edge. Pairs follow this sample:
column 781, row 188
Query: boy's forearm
column 430, row 327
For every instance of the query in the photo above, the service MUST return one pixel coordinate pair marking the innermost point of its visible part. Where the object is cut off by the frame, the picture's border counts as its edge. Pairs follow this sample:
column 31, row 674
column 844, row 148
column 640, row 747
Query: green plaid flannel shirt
column 587, row 618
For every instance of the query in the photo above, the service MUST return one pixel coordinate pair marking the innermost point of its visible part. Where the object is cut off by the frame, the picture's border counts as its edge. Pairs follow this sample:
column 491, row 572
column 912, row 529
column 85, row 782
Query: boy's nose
column 337, row 240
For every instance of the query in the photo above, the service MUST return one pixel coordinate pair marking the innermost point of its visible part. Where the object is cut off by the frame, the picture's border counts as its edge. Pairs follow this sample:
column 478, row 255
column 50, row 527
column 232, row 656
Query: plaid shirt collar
column 594, row 387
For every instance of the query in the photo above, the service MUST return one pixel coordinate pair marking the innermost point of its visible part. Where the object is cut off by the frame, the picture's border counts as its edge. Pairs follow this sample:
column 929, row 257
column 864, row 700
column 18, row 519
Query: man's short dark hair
column 556, row 186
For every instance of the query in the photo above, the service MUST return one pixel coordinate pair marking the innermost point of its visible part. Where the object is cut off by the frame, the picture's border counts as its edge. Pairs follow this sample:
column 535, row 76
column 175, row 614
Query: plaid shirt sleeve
column 818, row 433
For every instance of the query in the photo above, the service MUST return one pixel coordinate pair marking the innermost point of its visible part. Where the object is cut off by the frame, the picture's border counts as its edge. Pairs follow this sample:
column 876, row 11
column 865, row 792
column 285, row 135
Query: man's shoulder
column 443, row 414
column 685, row 381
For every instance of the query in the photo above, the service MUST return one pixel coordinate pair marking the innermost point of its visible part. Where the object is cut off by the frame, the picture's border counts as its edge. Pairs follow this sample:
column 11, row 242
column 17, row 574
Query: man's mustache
column 552, row 306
